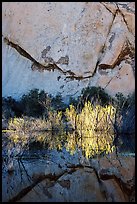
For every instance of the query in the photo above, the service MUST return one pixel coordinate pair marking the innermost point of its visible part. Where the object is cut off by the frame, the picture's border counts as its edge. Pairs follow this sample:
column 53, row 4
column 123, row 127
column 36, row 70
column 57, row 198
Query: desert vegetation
column 94, row 122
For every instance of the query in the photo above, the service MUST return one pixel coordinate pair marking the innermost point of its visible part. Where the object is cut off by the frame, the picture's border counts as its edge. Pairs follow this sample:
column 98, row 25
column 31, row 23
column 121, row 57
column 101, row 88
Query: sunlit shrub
column 57, row 135
column 25, row 131
column 71, row 143
column 88, row 123
column 94, row 128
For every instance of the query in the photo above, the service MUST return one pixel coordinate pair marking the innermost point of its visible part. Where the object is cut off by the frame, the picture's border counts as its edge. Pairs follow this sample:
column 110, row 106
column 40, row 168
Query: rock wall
column 62, row 47
column 61, row 177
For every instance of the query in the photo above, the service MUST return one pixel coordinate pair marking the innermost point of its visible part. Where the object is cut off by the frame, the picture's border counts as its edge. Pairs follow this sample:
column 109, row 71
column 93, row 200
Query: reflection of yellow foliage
column 94, row 127
column 40, row 138
column 71, row 143
column 71, row 115
column 93, row 130
column 28, row 130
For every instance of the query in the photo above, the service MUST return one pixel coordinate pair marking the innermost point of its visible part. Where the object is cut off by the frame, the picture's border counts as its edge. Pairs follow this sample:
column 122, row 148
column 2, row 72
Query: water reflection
column 90, row 130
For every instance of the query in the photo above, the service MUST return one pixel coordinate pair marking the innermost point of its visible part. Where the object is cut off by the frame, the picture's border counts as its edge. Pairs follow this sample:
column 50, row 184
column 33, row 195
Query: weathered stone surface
column 62, row 177
column 120, row 80
column 79, row 42
column 83, row 187
column 114, row 43
column 29, row 171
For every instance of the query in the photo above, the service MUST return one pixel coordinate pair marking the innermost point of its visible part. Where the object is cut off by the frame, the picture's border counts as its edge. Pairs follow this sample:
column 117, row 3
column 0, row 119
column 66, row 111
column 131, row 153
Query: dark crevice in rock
column 126, row 187
column 95, row 169
column 36, row 180
column 50, row 67
column 36, row 65
column 103, row 47
column 19, row 49
column 125, row 6
column 107, row 8
column 105, row 66
column 86, row 77
column 21, row 194
column 126, row 50
column 122, row 16
column 78, row 77
column 95, row 70
column 25, row 54
column 109, row 82
column 70, row 72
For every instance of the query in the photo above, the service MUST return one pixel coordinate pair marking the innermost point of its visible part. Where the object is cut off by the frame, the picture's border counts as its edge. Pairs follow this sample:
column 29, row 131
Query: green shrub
column 10, row 108
column 57, row 103
column 125, row 102
column 38, row 103
column 95, row 94
column 33, row 103
column 89, row 123
column 73, row 101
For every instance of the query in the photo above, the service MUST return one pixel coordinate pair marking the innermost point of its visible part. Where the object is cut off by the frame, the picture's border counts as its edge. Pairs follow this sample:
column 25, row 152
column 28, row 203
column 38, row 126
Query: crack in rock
column 111, row 37
column 107, row 7
column 112, row 173
column 125, row 50
column 114, row 54
column 37, row 180
column 49, row 67
column 36, row 64
column 123, row 17
column 127, row 186
column 103, row 47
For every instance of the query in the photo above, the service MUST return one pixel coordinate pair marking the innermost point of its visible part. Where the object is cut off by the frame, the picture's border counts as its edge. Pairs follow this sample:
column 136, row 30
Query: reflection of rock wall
column 63, row 47
column 64, row 179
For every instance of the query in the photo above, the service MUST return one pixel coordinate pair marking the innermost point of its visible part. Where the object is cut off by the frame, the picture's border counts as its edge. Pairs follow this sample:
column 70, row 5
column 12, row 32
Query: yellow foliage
column 25, row 130
column 93, row 130
column 94, row 127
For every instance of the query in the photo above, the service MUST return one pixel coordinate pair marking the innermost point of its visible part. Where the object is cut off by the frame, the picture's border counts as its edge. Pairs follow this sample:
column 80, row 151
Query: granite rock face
column 62, row 47
column 61, row 177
